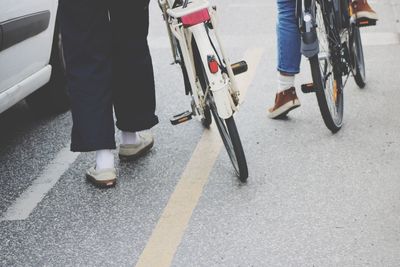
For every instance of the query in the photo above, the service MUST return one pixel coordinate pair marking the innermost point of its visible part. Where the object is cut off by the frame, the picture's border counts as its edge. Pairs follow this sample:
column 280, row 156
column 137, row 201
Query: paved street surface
column 312, row 199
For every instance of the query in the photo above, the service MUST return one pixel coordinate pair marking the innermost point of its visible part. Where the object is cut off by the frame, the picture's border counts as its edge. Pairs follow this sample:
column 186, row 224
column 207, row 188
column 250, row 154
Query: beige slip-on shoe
column 102, row 178
column 134, row 151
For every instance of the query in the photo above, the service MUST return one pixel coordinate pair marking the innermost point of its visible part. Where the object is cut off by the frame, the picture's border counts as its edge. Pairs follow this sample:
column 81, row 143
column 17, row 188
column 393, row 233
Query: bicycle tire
column 226, row 128
column 207, row 120
column 357, row 54
column 328, row 82
column 233, row 145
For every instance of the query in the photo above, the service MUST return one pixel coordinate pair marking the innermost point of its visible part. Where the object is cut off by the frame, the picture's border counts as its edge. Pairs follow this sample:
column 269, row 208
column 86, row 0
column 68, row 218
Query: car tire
column 53, row 97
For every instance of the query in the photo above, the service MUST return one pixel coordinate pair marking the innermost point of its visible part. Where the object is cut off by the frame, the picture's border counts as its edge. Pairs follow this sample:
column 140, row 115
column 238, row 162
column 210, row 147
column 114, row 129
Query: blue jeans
column 288, row 36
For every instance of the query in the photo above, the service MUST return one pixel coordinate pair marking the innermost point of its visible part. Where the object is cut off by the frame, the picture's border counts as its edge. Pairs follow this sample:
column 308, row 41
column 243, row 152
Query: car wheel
column 53, row 97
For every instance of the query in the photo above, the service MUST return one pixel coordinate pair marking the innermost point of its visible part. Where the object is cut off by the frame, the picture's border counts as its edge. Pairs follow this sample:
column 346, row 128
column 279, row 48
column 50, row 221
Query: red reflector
column 195, row 18
column 213, row 65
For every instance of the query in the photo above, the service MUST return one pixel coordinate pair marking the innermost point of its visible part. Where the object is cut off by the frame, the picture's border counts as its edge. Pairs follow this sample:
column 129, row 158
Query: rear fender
column 218, row 85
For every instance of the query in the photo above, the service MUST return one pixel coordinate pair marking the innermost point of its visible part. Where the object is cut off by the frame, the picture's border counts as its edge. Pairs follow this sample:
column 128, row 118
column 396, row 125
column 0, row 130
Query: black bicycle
column 332, row 42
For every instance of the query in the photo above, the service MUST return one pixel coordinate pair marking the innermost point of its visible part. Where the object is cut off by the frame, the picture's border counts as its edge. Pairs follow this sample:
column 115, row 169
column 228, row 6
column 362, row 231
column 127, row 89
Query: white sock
column 129, row 138
column 104, row 159
column 285, row 82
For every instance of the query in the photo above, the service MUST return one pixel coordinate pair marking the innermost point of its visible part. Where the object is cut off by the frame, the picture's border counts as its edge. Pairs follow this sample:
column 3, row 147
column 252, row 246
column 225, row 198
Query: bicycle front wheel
column 325, row 74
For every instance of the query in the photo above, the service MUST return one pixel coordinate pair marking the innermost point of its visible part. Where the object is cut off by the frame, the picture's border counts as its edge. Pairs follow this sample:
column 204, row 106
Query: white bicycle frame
column 222, row 85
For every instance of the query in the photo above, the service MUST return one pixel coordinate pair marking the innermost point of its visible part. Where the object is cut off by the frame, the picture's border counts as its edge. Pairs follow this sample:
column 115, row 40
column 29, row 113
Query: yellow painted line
column 252, row 57
column 167, row 235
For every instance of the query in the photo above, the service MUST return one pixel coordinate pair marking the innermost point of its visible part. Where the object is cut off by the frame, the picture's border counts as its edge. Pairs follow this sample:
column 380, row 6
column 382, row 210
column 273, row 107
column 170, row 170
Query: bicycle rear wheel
column 357, row 57
column 326, row 72
column 227, row 128
column 231, row 139
column 206, row 118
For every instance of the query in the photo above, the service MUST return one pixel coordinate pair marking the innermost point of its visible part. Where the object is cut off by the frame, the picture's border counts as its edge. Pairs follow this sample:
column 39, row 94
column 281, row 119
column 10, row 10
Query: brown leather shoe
column 285, row 101
column 362, row 10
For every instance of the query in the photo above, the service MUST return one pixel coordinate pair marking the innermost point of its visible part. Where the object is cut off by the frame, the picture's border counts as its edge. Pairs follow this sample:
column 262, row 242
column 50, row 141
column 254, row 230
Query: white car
column 31, row 61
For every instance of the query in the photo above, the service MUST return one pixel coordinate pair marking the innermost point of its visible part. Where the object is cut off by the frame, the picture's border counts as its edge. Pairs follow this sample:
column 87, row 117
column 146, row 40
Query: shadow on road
column 19, row 122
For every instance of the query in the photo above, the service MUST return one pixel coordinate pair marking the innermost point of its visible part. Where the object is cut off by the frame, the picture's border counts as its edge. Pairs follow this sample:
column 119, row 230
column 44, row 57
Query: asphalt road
column 312, row 199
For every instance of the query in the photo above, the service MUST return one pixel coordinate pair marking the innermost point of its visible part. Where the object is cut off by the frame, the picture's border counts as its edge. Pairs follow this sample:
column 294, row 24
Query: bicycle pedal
column 308, row 88
column 239, row 67
column 182, row 117
column 365, row 22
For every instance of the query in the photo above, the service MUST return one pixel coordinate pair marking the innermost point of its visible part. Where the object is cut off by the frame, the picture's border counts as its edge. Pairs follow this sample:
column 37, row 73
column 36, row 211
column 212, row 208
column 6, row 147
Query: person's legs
column 86, row 35
column 289, row 56
column 87, row 48
column 288, row 37
column 133, row 80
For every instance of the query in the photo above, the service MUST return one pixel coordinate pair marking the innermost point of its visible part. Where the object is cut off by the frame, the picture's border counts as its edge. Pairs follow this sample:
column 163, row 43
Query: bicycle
column 331, row 41
column 208, row 76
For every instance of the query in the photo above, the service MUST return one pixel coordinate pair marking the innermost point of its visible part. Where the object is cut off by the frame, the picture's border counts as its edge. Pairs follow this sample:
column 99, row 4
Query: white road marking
column 31, row 197
column 168, row 233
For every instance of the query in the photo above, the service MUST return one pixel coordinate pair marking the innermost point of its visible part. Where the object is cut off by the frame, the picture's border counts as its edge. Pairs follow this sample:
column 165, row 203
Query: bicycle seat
column 194, row 6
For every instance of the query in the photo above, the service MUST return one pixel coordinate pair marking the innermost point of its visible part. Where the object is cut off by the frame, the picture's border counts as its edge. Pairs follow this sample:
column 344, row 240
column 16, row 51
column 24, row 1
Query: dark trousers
column 108, row 66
